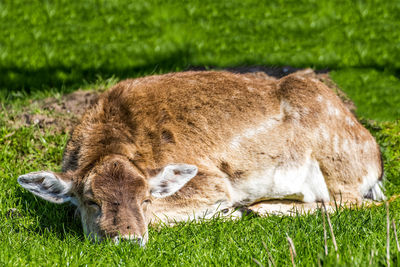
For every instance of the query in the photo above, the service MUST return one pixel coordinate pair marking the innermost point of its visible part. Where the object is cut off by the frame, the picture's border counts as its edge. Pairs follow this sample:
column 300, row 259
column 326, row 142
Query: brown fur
column 139, row 126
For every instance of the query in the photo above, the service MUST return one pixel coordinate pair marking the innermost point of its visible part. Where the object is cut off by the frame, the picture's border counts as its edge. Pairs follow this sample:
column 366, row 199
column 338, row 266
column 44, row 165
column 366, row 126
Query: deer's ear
column 50, row 186
column 170, row 179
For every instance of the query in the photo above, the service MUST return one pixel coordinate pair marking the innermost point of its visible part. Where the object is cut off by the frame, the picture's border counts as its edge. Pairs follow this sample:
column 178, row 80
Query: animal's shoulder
column 303, row 90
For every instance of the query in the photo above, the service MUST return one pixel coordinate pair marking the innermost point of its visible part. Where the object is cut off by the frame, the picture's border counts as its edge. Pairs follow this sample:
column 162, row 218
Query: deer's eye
column 146, row 201
column 92, row 204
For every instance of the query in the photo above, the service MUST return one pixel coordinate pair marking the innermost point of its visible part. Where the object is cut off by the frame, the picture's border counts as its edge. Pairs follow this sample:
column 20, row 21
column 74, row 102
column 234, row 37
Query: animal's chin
column 117, row 240
column 140, row 241
column 129, row 239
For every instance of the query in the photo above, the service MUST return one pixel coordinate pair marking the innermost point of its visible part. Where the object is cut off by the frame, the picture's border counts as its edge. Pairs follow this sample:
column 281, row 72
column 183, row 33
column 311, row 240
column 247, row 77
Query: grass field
column 52, row 47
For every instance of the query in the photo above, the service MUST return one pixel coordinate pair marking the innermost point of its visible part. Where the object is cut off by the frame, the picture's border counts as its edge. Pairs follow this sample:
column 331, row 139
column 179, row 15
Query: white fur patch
column 323, row 131
column 219, row 209
column 333, row 111
column 250, row 133
column 367, row 146
column 370, row 182
column 304, row 182
column 292, row 209
column 287, row 109
column 349, row 121
column 300, row 78
column 377, row 192
column 345, row 145
column 336, row 143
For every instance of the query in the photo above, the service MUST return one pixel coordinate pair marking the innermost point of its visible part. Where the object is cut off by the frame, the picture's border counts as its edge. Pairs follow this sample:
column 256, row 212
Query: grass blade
column 258, row 263
column 325, row 241
column 331, row 230
column 395, row 235
column 269, row 254
column 387, row 235
column 372, row 257
column 292, row 250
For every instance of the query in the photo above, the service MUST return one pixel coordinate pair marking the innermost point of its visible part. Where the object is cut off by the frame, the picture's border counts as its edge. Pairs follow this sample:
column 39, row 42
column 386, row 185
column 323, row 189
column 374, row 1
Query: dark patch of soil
column 61, row 115
column 75, row 103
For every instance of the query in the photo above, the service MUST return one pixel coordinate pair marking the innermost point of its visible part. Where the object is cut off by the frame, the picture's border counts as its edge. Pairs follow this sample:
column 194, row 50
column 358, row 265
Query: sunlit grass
column 40, row 233
column 48, row 48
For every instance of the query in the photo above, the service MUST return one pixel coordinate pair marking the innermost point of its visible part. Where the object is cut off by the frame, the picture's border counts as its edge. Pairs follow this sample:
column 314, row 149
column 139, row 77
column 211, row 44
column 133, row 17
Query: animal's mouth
column 132, row 239
column 119, row 239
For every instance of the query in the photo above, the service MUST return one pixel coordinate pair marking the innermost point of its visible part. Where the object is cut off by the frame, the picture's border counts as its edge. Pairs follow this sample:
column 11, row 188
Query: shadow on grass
column 69, row 78
column 60, row 220
column 15, row 80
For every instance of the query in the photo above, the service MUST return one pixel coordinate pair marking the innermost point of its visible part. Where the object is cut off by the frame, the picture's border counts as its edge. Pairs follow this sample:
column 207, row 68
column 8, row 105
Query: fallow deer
column 187, row 145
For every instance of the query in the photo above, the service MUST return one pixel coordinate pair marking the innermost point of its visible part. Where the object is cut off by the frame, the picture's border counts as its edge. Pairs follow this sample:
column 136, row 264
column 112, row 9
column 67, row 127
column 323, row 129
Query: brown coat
column 251, row 139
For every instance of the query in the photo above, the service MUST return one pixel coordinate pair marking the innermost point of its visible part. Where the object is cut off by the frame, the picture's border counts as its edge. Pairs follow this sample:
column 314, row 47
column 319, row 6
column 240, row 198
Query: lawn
column 48, row 48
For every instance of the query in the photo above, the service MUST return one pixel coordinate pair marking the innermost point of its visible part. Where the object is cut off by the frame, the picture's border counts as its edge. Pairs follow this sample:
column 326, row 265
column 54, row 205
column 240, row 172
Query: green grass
column 63, row 44
column 55, row 43
column 45, row 234
column 376, row 94
column 52, row 47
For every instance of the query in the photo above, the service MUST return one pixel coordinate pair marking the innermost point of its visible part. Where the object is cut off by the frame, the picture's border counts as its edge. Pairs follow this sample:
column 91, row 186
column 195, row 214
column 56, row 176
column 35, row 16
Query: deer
column 197, row 144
